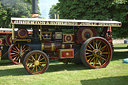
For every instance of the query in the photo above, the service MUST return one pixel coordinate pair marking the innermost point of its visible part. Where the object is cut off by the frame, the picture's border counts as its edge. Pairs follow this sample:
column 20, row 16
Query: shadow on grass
column 68, row 67
column 52, row 68
column 5, row 63
column 119, row 55
column 13, row 72
column 120, row 47
column 121, row 80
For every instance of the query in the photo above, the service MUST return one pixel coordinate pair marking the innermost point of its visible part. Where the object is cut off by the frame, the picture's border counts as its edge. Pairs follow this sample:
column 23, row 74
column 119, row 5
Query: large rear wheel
column 16, row 52
column 96, row 52
column 36, row 62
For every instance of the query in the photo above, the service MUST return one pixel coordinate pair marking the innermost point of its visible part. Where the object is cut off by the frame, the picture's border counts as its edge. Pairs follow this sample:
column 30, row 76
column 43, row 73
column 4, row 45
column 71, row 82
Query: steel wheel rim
column 16, row 52
column 36, row 63
column 98, row 53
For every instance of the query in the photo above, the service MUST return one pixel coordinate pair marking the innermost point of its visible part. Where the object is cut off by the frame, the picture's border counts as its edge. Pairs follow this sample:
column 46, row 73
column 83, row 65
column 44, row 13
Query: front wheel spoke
column 41, row 59
column 30, row 60
column 36, row 56
column 33, row 68
column 33, row 58
column 36, row 69
column 42, row 65
column 30, row 65
column 42, row 62
column 39, row 68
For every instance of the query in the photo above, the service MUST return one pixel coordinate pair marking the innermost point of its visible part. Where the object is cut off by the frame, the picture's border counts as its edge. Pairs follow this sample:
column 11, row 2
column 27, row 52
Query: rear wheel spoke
column 103, row 58
column 92, row 59
column 91, row 46
column 105, row 52
column 103, row 47
column 99, row 44
column 90, row 55
column 89, row 50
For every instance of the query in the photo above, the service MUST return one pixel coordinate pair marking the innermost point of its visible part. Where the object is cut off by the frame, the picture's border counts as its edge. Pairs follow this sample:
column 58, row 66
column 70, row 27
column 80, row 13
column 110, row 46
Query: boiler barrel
column 51, row 47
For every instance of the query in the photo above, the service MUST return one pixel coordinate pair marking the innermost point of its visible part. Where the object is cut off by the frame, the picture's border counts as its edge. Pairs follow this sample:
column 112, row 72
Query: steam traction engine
column 6, row 40
column 86, row 41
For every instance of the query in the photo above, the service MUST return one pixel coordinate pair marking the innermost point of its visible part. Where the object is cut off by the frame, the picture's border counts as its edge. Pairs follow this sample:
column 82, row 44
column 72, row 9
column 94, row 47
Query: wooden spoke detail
column 96, row 52
column 16, row 52
column 36, row 62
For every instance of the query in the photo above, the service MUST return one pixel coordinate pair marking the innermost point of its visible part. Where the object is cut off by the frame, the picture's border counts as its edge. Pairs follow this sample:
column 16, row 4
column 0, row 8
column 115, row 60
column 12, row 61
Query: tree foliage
column 13, row 8
column 53, row 10
column 96, row 10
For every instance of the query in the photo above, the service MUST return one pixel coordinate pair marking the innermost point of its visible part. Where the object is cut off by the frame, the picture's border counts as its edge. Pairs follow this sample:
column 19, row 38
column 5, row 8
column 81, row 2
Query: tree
column 96, row 10
column 13, row 8
column 53, row 10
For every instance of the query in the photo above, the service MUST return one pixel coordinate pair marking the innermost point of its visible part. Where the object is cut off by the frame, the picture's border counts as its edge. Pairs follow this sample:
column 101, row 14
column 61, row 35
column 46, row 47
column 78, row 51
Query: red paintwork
column 80, row 31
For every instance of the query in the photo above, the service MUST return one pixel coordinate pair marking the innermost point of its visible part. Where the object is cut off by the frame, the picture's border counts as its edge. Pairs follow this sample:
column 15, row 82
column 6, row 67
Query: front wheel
column 36, row 62
column 96, row 52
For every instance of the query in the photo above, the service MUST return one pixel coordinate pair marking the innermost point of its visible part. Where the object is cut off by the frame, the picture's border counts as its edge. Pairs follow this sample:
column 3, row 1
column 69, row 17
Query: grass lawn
column 116, row 73
column 121, row 46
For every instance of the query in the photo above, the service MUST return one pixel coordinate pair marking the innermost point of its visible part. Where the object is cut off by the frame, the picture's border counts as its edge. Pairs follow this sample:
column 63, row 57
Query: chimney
column 34, row 9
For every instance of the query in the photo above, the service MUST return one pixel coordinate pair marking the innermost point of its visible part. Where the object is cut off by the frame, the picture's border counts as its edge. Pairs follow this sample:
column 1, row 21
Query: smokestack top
column 34, row 8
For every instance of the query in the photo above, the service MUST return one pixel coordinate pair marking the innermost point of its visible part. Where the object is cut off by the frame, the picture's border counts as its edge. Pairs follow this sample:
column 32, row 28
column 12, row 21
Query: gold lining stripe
column 1, row 47
column 70, row 45
column 13, row 32
column 42, row 46
column 53, row 46
column 62, row 46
